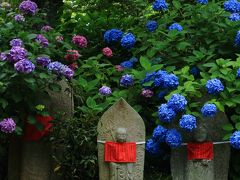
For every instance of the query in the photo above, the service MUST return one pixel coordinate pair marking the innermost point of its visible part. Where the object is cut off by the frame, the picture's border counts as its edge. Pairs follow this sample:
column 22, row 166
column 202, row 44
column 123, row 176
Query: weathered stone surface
column 220, row 165
column 122, row 115
column 35, row 162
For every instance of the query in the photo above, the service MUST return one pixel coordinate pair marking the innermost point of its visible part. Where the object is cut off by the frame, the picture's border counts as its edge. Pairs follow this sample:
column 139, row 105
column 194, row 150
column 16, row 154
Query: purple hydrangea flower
column 175, row 26
column 126, row 80
column 80, row 41
column 202, row 1
column 7, row 125
column 234, row 17
column 24, row 66
column 235, row 140
column 214, row 86
column 173, row 138
column 152, row 147
column 28, row 7
column 165, row 113
column 151, row 26
column 177, row 102
column 147, row 93
column 105, row 91
column 159, row 133
column 16, row 42
column 3, row 57
column 159, row 5
column 67, row 72
column 19, row 18
column 17, row 53
column 238, row 73
column 128, row 41
column 113, row 35
column 42, row 40
column 232, row 6
column 209, row 110
column 43, row 61
column 188, row 122
column 56, row 67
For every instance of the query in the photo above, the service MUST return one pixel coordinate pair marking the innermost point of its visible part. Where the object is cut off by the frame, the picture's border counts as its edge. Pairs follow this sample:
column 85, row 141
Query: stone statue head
column 121, row 135
column 200, row 134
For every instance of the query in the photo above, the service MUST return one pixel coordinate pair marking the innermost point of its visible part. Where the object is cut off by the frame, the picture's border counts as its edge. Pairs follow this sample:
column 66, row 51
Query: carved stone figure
column 121, row 138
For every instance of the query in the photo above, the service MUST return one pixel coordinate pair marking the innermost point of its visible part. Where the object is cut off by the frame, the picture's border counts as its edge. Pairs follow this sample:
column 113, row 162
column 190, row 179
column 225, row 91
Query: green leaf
column 91, row 103
column 148, row 83
column 55, row 87
column 228, row 127
column 227, row 136
column 145, row 63
column 43, row 75
column 3, row 102
column 31, row 36
column 237, row 126
column 30, row 80
column 220, row 106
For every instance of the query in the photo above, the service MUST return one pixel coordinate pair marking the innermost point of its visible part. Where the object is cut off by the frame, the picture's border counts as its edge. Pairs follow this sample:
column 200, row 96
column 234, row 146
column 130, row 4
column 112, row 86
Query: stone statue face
column 121, row 135
column 200, row 134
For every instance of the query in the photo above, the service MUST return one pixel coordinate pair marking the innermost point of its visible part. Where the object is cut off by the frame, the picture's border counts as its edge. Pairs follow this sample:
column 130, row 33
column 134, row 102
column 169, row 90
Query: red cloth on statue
column 31, row 133
column 200, row 150
column 120, row 152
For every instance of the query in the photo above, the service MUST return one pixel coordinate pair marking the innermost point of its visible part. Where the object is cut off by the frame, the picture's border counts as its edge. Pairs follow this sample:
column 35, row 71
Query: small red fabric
column 31, row 133
column 120, row 152
column 200, row 151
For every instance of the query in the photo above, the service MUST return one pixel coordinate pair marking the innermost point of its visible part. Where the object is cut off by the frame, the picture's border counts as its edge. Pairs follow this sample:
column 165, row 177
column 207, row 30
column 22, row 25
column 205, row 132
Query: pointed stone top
column 121, row 114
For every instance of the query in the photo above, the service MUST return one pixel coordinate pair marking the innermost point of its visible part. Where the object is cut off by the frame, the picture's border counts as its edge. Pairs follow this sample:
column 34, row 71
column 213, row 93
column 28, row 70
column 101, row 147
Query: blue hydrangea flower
column 173, row 138
column 43, row 61
column 209, row 110
column 126, row 80
column 237, row 39
column 56, row 67
column 202, row 1
column 234, row 17
column 159, row 5
column 24, row 66
column 151, row 26
column 67, row 72
column 188, row 122
column 152, row 147
column 195, row 71
column 170, row 81
column 177, row 102
column 159, row 133
column 238, row 73
column 133, row 60
column 105, row 91
column 214, row 86
column 159, row 78
column 175, row 26
column 165, row 113
column 232, row 6
column 127, row 64
column 235, row 140
column 113, row 35
column 161, row 94
column 128, row 41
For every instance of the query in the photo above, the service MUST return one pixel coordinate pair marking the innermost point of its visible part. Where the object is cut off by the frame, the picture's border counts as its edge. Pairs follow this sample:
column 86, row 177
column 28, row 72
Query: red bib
column 31, row 133
column 120, row 152
column 200, row 150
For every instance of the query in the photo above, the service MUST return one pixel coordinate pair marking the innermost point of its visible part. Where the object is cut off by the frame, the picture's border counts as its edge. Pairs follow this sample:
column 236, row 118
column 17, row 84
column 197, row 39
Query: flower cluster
column 17, row 53
column 46, row 28
column 16, row 42
column 159, row 5
column 24, row 66
column 173, row 138
column 165, row 113
column 3, row 57
column 214, row 86
column 159, row 134
column 113, row 36
column 175, row 26
column 188, row 122
column 126, row 80
column 119, row 68
column 107, row 52
column 19, row 18
column 60, row 69
column 177, row 102
column 7, row 125
column 129, row 63
column 28, row 7
column 80, row 41
column 105, row 91
column 147, row 93
column 43, row 61
column 72, row 55
column 235, row 140
column 234, row 17
column 42, row 40
column 209, row 110
column 152, row 147
column 202, row 1
column 128, row 41
column 232, row 6
column 59, row 38
column 151, row 26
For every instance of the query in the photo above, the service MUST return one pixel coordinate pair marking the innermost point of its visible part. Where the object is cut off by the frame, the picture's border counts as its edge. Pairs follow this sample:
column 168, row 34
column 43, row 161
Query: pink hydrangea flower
column 147, row 93
column 72, row 55
column 80, row 41
column 73, row 66
column 59, row 38
column 119, row 68
column 107, row 52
